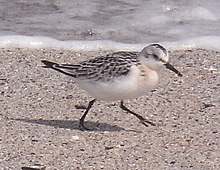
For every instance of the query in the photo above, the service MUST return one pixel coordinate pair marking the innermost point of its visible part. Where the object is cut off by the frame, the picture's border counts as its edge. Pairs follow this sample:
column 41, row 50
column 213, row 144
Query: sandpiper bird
column 118, row 76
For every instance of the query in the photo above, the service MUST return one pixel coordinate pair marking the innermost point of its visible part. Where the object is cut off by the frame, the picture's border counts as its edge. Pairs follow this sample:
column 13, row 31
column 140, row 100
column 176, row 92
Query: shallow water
column 133, row 22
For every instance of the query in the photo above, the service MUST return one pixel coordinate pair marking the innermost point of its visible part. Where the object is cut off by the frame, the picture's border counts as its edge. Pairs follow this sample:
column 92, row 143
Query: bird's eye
column 155, row 56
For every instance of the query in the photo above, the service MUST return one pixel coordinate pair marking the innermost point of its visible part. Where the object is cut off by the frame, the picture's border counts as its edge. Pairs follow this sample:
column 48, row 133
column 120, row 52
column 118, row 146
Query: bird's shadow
column 73, row 124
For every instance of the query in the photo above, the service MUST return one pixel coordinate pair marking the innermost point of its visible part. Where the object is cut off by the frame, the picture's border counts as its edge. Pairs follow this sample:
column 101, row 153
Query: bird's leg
column 82, row 119
column 142, row 119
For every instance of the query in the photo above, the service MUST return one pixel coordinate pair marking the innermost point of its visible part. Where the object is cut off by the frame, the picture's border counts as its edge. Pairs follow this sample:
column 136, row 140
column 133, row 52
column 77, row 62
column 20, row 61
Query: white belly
column 127, row 87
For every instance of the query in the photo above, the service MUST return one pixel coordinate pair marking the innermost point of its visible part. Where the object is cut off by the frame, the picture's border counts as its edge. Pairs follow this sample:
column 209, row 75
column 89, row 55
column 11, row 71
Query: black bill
column 170, row 67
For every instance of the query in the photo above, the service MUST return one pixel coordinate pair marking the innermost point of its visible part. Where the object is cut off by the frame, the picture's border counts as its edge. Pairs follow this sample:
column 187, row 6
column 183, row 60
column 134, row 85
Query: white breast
column 130, row 86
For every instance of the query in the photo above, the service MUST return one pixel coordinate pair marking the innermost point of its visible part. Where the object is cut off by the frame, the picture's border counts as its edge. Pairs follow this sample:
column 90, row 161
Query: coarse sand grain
column 40, row 111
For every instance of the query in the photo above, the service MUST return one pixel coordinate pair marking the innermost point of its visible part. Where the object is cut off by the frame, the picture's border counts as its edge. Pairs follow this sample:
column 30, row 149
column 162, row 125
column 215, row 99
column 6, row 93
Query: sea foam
column 33, row 42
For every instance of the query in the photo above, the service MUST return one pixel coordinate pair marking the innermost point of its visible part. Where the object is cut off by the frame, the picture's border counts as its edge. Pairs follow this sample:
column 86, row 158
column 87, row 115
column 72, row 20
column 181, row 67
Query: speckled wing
column 102, row 68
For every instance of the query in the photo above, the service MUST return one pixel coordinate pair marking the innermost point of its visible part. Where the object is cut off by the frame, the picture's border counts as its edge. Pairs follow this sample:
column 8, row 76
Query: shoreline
column 37, row 42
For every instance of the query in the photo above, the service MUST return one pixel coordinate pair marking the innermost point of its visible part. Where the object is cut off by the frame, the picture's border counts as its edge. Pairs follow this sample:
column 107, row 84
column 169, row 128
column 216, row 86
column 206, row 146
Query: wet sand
column 39, row 117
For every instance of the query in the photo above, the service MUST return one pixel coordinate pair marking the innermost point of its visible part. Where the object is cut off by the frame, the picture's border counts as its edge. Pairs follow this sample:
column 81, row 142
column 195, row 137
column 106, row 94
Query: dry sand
column 39, row 118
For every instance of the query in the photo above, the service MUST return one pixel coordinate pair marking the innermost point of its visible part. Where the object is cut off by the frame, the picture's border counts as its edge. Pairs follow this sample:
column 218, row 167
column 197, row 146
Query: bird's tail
column 65, row 69
column 49, row 64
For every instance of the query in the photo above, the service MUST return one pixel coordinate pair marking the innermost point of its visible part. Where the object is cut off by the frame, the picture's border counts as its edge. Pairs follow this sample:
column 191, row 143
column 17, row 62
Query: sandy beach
column 40, row 111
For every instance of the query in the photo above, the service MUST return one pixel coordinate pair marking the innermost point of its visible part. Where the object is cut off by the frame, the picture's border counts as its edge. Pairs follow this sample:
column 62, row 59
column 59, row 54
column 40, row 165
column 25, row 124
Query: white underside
column 126, row 87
